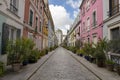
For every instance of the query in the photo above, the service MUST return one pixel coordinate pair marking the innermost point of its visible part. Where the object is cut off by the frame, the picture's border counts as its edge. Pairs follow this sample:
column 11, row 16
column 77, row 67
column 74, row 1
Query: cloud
column 74, row 3
column 75, row 13
column 61, row 17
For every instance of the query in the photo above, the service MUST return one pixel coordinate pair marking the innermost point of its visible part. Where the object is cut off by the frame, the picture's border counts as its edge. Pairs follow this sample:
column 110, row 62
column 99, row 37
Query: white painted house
column 111, row 15
column 11, row 22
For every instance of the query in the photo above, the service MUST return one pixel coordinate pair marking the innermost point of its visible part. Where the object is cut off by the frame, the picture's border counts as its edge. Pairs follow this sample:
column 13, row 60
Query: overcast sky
column 64, row 12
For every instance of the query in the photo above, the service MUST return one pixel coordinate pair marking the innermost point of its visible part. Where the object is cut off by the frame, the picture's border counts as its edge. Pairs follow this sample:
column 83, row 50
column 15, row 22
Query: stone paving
column 103, row 73
column 26, row 71
column 62, row 66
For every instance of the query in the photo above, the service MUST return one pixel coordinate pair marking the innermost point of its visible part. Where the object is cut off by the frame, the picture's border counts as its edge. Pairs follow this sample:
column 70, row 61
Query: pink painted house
column 91, row 12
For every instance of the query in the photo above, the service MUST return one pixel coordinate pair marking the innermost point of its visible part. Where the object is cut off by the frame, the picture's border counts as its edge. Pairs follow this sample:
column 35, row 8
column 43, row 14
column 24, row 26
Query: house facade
column 91, row 20
column 11, row 23
column 33, row 21
column 111, row 17
column 51, row 32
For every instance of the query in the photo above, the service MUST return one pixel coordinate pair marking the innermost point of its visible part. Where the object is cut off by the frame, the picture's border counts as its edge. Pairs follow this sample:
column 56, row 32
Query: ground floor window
column 115, row 33
column 95, row 38
column 9, row 33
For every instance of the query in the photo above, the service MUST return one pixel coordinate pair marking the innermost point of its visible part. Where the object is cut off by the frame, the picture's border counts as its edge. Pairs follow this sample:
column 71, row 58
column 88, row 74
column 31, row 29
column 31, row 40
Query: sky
column 64, row 12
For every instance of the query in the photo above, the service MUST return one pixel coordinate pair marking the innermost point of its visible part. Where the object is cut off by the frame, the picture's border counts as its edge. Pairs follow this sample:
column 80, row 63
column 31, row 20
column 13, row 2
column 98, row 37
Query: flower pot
column 118, row 70
column 25, row 62
column 81, row 55
column 110, row 67
column 101, row 63
column 16, row 66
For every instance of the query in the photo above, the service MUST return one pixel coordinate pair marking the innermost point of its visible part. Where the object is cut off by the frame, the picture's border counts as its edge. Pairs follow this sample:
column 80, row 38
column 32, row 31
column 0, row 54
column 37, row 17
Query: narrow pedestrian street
column 62, row 66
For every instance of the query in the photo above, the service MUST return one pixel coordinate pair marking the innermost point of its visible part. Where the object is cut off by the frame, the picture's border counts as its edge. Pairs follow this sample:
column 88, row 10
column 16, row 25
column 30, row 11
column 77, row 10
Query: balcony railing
column 114, row 10
column 13, row 8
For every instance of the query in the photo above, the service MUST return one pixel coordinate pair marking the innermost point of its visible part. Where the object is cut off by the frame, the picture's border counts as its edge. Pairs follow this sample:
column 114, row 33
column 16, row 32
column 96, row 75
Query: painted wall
column 108, row 21
column 97, row 6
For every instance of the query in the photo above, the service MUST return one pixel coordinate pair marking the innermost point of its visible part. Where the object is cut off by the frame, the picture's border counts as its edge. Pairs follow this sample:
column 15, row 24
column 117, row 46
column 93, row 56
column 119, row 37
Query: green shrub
column 33, row 57
column 109, row 62
column 88, row 49
column 2, row 70
column 19, row 50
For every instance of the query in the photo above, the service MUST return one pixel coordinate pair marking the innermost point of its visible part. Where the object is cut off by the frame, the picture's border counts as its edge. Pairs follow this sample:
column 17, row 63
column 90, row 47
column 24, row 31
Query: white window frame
column 96, row 18
column 88, row 23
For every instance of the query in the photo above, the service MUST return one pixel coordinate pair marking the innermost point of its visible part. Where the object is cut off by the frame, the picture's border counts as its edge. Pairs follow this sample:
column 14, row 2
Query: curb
column 71, row 54
column 28, row 78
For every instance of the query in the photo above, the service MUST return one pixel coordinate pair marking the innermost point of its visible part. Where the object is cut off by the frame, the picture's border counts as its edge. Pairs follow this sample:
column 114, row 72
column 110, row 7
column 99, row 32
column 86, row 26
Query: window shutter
column 5, row 37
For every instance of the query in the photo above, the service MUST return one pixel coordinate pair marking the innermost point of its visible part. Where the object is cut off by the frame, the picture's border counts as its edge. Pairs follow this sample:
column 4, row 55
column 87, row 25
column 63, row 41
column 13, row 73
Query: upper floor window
column 88, row 23
column 94, row 19
column 88, row 5
column 14, row 6
column 83, row 11
column 114, row 7
column 40, row 28
column 93, row 1
column 36, row 24
column 31, row 18
column 37, row 3
column 83, row 26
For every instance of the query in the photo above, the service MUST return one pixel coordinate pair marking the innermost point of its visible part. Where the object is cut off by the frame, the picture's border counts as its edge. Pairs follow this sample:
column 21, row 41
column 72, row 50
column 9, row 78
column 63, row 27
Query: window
column 115, row 33
column 9, row 33
column 87, row 5
column 40, row 27
column 36, row 24
column 83, row 27
column 114, row 7
column 14, row 6
column 30, row 35
column 95, row 38
column 37, row 3
column 93, row 1
column 94, row 19
column 31, row 18
column 83, row 11
column 88, row 23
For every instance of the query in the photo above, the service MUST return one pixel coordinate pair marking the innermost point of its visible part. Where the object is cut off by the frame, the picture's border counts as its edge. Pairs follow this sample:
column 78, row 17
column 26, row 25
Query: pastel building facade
column 11, row 23
column 33, row 21
column 91, row 20
column 111, row 17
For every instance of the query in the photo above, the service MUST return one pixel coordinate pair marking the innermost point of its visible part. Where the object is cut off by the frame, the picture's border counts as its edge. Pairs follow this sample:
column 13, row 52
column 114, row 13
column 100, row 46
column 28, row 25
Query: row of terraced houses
column 26, row 18
column 97, row 19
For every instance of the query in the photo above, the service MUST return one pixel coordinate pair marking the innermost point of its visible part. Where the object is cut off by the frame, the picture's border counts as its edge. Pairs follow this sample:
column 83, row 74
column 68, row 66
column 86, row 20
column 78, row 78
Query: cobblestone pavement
column 61, row 66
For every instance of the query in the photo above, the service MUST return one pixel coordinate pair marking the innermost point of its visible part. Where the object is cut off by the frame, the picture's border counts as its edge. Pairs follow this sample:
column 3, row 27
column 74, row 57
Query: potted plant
column 118, row 69
column 27, row 47
column 79, row 52
column 34, row 56
column 100, row 52
column 1, row 68
column 110, row 65
column 14, row 55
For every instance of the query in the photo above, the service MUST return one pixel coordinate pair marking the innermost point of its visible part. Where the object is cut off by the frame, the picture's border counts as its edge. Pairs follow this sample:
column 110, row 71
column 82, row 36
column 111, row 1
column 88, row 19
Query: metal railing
column 13, row 8
column 114, row 10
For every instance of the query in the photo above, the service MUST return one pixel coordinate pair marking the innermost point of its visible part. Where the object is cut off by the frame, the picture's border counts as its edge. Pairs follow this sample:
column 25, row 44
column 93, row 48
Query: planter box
column 16, row 66
column 110, row 67
column 100, row 63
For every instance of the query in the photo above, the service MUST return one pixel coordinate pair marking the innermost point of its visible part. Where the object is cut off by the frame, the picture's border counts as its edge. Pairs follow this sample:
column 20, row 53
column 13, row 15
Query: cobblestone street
column 61, row 66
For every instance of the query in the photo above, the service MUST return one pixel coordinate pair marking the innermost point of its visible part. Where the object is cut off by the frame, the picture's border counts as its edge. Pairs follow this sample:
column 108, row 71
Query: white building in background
column 59, row 35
